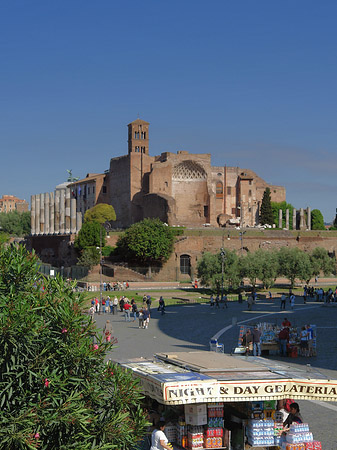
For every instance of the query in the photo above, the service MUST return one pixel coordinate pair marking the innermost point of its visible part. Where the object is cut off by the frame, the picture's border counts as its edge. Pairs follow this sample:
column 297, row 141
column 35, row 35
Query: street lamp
column 107, row 227
column 223, row 254
column 241, row 238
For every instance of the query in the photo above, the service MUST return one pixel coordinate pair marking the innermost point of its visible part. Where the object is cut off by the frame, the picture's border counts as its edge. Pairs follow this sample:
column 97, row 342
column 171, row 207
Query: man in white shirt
column 158, row 438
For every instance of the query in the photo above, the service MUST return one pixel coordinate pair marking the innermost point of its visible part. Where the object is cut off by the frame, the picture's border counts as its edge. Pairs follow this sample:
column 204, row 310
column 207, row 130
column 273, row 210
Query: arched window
column 185, row 264
column 219, row 190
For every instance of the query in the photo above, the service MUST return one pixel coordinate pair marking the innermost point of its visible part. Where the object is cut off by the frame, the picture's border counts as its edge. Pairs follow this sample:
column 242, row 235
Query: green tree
column 321, row 262
column 266, row 213
column 102, row 212
column 90, row 256
column 276, row 206
column 210, row 270
column 90, row 236
column 15, row 223
column 146, row 242
column 260, row 265
column 269, row 266
column 250, row 267
column 317, row 221
column 294, row 263
column 56, row 390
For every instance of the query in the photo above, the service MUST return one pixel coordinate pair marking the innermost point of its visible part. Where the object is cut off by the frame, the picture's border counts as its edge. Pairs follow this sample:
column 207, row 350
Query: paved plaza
column 190, row 327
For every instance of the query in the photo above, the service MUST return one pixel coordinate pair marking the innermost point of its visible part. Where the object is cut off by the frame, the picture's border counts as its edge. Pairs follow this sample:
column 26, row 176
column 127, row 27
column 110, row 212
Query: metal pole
column 100, row 269
column 222, row 270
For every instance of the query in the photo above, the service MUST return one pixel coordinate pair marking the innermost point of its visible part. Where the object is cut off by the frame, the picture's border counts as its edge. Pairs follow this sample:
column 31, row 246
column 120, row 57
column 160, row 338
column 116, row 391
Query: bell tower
column 138, row 137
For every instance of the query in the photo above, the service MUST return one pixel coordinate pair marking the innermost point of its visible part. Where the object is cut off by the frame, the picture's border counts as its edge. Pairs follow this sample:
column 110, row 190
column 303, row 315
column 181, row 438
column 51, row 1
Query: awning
column 207, row 377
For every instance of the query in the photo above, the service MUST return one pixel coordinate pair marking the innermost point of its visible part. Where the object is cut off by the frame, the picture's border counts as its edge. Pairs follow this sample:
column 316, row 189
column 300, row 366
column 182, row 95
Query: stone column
column 57, row 212
column 302, row 220
column 280, row 212
column 62, row 210
column 51, row 213
column 42, row 213
column 32, row 215
column 294, row 219
column 37, row 214
column 73, row 215
column 67, row 211
column 46, row 213
column 309, row 217
column 78, row 221
column 287, row 219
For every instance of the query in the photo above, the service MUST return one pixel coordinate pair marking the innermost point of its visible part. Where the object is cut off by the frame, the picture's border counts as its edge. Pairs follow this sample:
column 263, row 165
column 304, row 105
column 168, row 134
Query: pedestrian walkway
column 190, row 327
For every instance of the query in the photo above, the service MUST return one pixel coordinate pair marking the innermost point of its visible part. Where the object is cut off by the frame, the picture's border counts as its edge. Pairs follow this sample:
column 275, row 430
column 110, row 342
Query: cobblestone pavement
column 190, row 327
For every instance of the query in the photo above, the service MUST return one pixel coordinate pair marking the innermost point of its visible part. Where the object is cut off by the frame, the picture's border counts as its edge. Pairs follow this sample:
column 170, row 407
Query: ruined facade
column 182, row 188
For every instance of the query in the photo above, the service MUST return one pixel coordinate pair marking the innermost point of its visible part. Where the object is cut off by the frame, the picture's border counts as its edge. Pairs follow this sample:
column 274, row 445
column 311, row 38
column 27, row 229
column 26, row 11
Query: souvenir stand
column 269, row 338
column 211, row 400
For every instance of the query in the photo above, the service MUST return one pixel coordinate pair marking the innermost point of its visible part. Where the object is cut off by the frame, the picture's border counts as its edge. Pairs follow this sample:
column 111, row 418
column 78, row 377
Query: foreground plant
column 56, row 391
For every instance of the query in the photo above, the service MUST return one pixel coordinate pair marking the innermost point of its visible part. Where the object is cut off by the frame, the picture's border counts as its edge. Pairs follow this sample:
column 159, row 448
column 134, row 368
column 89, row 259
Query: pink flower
column 64, row 330
column 46, row 382
column 37, row 435
column 111, row 373
column 95, row 347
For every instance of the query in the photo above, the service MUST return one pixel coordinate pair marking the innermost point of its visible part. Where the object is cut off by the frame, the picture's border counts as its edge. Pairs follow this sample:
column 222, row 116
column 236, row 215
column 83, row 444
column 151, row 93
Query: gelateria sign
column 248, row 391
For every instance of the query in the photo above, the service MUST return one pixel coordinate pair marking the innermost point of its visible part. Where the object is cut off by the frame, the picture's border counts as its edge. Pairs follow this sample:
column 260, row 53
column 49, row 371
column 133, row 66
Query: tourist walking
column 283, row 301
column 127, row 310
column 107, row 304
column 121, row 303
column 108, row 331
column 256, row 341
column 250, row 302
column 141, row 318
column 146, row 317
column 283, row 340
column 292, row 301
column 115, row 305
column 161, row 306
column 211, row 301
column 148, row 302
column 134, row 309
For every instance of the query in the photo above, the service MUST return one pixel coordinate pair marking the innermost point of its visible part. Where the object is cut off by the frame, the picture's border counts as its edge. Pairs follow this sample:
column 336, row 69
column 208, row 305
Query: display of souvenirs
column 264, row 428
column 270, row 332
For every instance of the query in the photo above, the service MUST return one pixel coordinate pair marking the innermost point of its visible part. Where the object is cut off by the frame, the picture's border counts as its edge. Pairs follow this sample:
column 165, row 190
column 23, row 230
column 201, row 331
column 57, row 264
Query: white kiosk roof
column 206, row 377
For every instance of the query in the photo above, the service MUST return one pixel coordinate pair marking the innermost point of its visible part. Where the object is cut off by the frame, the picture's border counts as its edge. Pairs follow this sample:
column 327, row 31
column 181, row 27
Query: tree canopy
column 15, row 223
column 101, row 213
column 90, row 236
column 317, row 220
column 264, row 266
column 210, row 270
column 266, row 212
column 56, row 390
column 276, row 206
column 147, row 242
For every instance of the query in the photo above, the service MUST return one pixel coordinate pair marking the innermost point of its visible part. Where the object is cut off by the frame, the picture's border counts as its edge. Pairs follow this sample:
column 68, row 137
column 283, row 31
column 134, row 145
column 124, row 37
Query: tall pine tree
column 266, row 212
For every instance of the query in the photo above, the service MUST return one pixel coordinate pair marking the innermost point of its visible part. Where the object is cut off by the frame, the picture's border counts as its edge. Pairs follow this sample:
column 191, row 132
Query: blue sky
column 251, row 82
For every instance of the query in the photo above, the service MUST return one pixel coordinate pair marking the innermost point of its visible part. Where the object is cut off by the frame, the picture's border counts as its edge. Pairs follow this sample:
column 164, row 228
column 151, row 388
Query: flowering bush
column 54, row 390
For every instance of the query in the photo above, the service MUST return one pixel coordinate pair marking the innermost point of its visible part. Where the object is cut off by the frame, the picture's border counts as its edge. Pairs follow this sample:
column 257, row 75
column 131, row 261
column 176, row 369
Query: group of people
column 216, row 302
column 306, row 339
column 252, row 341
column 127, row 307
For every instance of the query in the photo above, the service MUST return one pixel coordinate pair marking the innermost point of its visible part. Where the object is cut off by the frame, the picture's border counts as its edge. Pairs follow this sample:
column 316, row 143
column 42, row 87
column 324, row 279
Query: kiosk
column 213, row 400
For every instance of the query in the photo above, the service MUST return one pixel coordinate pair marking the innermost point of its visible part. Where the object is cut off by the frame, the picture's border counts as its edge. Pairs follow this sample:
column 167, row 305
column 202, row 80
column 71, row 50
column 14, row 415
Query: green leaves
column 266, row 212
column 100, row 213
column 15, row 223
column 264, row 266
column 55, row 387
column 149, row 241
